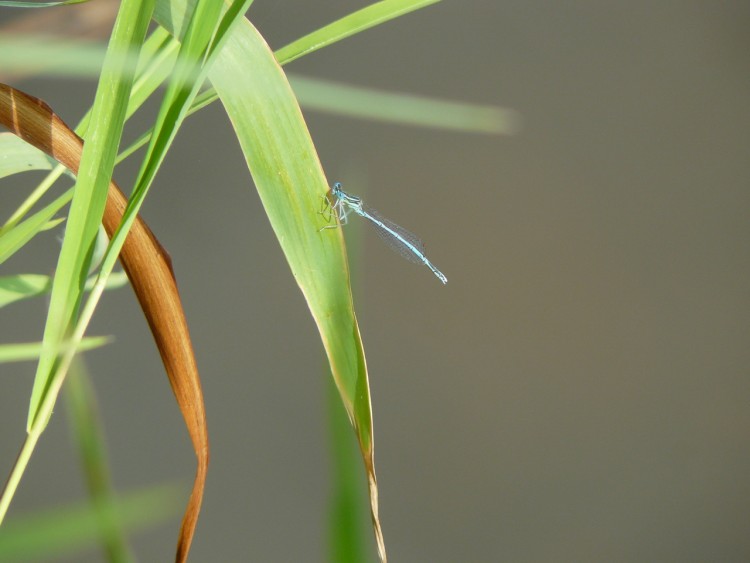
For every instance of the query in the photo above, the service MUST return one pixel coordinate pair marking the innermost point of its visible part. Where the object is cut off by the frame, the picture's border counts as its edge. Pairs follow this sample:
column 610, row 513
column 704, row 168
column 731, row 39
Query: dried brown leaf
column 149, row 269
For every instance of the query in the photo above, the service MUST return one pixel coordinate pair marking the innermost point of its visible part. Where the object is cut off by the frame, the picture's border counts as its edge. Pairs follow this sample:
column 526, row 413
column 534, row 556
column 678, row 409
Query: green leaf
column 354, row 23
column 87, row 431
column 186, row 80
column 25, row 286
column 57, row 532
column 87, row 207
column 32, row 350
column 346, row 534
column 157, row 59
column 291, row 184
column 16, row 155
column 406, row 109
column 14, row 239
column 20, row 4
column 202, row 40
column 55, row 56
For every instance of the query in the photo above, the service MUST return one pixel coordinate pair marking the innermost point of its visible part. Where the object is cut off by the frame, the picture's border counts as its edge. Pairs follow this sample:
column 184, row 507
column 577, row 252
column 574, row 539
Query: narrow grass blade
column 346, row 534
column 86, row 429
column 14, row 239
column 33, row 120
column 157, row 59
column 32, row 350
column 25, row 286
column 87, row 206
column 405, row 109
column 66, row 530
column 206, row 31
column 17, row 156
column 21, row 4
column 145, row 261
column 354, row 23
column 55, row 56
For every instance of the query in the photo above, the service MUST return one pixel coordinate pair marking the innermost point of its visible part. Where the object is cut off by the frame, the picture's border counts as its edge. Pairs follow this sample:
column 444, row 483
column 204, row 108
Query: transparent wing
column 406, row 243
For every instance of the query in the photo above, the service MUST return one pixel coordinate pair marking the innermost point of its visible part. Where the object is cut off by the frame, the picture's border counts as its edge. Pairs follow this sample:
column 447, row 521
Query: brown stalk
column 149, row 270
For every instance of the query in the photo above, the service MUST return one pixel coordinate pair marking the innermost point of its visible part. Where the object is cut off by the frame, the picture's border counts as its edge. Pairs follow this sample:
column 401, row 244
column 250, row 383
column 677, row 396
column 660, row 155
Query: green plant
column 190, row 46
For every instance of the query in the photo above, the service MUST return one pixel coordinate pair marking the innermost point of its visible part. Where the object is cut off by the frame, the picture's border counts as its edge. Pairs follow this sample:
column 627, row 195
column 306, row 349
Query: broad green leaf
column 291, row 184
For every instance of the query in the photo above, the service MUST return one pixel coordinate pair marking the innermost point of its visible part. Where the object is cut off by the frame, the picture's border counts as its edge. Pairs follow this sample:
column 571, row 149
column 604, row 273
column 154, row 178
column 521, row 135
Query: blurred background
column 579, row 389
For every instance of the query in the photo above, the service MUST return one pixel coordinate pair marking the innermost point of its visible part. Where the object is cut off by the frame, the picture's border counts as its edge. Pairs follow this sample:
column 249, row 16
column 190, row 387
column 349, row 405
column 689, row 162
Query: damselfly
column 399, row 239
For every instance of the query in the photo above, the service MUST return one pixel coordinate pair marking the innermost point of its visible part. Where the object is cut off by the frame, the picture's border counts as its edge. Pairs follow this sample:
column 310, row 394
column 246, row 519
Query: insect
column 399, row 239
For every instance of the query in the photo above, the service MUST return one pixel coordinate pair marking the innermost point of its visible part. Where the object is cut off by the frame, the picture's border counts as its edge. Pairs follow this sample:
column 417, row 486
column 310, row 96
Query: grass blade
column 354, row 23
column 22, row 4
column 86, row 429
column 346, row 537
column 61, row 531
column 87, row 207
column 25, row 286
column 32, row 350
column 17, row 156
column 291, row 184
column 14, row 239
column 161, row 302
column 34, row 121
column 405, row 109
